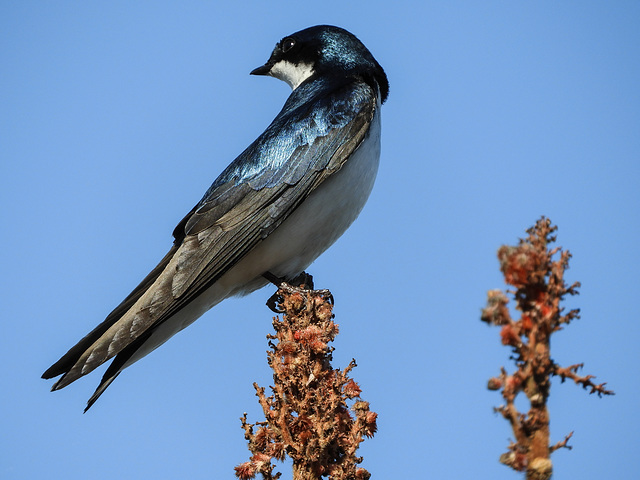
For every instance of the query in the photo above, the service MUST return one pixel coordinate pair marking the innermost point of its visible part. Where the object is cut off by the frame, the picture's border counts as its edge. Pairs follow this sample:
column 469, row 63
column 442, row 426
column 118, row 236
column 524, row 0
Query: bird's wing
column 248, row 201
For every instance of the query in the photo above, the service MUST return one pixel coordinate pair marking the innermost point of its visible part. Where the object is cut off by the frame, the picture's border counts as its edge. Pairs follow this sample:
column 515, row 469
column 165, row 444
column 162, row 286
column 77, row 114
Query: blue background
column 115, row 117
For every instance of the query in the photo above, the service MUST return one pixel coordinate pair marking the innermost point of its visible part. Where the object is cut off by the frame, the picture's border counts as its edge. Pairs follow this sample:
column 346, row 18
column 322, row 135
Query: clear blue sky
column 116, row 116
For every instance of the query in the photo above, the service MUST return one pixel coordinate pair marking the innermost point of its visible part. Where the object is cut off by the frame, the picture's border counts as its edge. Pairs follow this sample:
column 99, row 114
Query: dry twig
column 537, row 273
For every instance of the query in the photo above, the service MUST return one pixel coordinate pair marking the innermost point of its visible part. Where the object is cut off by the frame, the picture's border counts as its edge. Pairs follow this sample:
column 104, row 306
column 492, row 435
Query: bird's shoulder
column 311, row 112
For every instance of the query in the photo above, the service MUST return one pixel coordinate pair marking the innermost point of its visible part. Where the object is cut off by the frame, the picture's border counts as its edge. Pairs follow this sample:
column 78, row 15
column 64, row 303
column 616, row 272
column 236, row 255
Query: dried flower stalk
column 537, row 273
column 307, row 416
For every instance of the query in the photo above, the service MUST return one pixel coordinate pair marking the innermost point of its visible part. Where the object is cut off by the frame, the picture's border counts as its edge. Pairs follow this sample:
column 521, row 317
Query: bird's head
column 323, row 50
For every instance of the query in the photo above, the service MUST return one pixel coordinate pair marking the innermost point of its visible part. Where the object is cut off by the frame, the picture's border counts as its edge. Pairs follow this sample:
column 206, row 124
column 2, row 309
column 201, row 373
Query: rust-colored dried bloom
column 277, row 450
column 308, row 417
column 509, row 336
column 519, row 264
column 370, row 424
column 494, row 383
column 362, row 474
column 262, row 437
column 245, row 471
column 526, row 323
column 351, row 389
column 496, row 311
column 260, row 459
column 537, row 272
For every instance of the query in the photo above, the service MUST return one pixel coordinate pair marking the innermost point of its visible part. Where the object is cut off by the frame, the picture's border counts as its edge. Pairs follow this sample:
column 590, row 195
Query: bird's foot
column 302, row 284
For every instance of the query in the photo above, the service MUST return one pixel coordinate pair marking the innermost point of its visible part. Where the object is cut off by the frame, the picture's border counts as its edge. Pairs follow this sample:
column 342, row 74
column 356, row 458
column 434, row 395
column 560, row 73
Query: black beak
column 263, row 70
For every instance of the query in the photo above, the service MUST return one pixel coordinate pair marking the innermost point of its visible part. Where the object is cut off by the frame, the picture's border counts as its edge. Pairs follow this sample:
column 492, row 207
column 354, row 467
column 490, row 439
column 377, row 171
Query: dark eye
column 287, row 44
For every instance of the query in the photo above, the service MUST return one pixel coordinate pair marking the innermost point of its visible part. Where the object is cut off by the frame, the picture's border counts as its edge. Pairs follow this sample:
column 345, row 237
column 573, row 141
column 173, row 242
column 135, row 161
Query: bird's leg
column 274, row 299
column 306, row 286
column 273, row 278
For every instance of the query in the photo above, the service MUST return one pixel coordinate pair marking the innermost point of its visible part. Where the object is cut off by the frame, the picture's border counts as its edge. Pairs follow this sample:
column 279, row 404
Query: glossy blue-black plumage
column 309, row 114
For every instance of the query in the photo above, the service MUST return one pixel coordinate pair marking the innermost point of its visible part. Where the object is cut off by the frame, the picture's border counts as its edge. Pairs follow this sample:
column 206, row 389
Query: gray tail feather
column 116, row 367
column 104, row 383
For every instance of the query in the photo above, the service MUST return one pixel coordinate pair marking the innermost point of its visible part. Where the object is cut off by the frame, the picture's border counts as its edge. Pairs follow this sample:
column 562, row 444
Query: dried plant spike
column 308, row 417
column 537, row 273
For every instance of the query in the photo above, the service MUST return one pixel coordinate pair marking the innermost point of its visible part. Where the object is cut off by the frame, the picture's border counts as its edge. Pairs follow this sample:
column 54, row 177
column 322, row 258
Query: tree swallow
column 286, row 199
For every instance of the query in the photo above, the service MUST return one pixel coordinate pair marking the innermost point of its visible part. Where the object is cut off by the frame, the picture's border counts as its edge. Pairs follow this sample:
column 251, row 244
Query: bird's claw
column 306, row 287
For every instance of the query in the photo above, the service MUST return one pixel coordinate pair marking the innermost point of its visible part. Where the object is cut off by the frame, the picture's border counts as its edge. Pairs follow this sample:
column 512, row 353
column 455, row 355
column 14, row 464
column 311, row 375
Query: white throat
column 294, row 75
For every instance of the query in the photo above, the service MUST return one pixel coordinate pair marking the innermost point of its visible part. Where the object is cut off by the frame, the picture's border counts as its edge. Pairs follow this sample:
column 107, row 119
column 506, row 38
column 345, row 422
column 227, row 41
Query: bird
column 279, row 205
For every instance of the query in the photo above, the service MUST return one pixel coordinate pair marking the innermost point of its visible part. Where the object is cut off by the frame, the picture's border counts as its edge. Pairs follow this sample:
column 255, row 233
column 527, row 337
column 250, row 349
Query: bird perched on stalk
column 286, row 199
